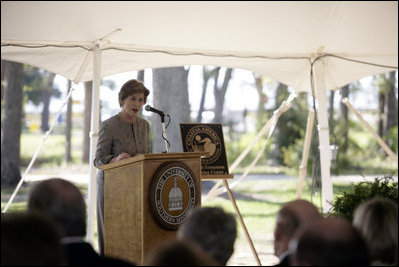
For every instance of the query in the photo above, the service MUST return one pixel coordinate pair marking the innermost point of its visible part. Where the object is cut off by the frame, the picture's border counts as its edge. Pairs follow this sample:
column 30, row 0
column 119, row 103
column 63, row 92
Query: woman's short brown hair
column 132, row 87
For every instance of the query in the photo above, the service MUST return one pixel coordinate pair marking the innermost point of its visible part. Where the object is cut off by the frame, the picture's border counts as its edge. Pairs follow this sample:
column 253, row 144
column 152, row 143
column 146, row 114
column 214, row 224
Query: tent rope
column 271, row 123
column 107, row 45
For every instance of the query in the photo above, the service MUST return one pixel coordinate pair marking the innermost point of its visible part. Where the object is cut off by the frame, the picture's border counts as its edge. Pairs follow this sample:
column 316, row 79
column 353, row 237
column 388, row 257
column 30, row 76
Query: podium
column 146, row 198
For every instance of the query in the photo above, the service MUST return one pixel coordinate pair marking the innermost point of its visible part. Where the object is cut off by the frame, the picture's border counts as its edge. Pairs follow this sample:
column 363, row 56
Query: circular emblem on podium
column 172, row 194
column 202, row 138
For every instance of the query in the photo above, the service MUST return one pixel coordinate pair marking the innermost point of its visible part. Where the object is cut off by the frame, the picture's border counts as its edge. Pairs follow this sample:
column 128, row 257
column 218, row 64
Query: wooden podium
column 138, row 212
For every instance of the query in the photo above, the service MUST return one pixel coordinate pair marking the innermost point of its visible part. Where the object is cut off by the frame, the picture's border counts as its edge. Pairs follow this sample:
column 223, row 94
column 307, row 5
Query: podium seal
column 173, row 194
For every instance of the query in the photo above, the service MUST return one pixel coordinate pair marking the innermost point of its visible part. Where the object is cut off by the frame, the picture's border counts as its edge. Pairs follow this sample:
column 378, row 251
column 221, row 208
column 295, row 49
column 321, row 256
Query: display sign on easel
column 208, row 138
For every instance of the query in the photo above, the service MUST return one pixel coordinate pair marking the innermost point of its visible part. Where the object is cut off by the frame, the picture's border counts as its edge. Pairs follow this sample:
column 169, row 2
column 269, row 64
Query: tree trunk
column 206, row 75
column 68, row 128
column 170, row 95
column 140, row 75
column 281, row 94
column 220, row 93
column 11, row 130
column 331, row 107
column 391, row 104
column 344, row 116
column 381, row 105
column 261, row 112
column 3, row 71
column 46, row 103
column 87, row 120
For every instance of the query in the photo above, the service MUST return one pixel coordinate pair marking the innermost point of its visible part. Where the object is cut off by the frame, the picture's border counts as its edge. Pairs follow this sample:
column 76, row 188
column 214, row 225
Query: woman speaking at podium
column 122, row 136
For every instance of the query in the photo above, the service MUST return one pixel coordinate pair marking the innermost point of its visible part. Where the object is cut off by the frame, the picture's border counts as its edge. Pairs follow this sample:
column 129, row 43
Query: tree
column 207, row 74
column 220, row 92
column 391, row 103
column 170, row 89
column 11, row 130
column 3, row 71
column 331, row 108
column 140, row 75
column 261, row 113
column 47, row 93
column 388, row 102
column 3, row 82
column 38, row 85
column 345, row 118
column 291, row 125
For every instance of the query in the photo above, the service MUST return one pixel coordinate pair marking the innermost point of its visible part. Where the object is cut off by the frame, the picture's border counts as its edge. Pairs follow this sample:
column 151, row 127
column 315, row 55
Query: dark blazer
column 83, row 254
column 284, row 261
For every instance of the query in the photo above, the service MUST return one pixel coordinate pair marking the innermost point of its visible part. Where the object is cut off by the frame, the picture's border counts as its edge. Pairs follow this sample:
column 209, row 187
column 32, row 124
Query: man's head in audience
column 29, row 239
column 289, row 218
column 63, row 202
column 213, row 230
column 328, row 241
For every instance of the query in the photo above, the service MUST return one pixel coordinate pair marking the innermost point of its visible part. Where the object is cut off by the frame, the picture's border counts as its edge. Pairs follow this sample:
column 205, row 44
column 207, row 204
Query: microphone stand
column 164, row 135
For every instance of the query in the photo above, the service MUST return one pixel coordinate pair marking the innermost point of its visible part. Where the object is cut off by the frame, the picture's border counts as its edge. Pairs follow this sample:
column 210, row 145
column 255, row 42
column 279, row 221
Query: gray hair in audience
column 377, row 221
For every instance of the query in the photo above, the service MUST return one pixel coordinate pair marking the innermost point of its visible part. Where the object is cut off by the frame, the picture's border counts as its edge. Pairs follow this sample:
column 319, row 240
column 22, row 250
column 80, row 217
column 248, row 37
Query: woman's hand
column 121, row 156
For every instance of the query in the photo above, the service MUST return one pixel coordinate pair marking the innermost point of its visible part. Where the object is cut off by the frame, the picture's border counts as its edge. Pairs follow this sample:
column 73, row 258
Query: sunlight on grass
column 52, row 151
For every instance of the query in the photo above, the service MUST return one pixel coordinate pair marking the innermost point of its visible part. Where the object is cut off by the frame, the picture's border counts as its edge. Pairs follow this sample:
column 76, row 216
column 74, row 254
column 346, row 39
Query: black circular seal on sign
column 202, row 138
column 173, row 194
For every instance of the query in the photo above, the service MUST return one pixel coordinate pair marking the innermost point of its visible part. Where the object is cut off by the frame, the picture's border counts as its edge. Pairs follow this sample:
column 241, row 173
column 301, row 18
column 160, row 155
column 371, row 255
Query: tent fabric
column 279, row 39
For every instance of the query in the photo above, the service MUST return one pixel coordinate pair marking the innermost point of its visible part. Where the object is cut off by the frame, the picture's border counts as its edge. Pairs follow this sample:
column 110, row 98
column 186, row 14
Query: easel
column 206, row 174
column 233, row 201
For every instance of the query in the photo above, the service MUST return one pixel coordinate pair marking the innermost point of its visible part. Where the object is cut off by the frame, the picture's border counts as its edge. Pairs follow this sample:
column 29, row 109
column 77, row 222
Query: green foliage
column 293, row 155
column 359, row 152
column 391, row 138
column 236, row 143
column 36, row 83
column 344, row 205
column 291, row 125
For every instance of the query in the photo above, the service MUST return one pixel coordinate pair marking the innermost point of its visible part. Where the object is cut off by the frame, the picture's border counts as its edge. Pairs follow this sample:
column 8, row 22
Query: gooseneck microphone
column 161, row 113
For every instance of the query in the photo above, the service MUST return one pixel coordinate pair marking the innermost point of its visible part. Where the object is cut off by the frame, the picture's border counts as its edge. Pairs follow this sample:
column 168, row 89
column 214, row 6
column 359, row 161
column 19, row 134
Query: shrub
column 344, row 205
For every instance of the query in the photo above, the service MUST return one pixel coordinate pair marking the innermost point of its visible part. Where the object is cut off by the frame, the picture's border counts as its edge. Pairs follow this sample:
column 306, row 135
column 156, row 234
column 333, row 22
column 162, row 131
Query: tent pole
column 94, row 126
column 324, row 137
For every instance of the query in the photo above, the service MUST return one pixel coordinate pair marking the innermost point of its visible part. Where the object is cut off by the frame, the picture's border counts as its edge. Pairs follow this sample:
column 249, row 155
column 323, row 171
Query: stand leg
column 242, row 222
column 165, row 137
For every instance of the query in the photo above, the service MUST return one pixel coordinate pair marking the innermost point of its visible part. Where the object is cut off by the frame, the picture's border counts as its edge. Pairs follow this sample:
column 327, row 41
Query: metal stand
column 164, row 135
column 251, row 244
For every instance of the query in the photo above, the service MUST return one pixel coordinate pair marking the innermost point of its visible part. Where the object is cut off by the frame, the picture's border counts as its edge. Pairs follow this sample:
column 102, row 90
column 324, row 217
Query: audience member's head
column 289, row 218
column 328, row 242
column 62, row 201
column 179, row 253
column 28, row 239
column 213, row 230
column 377, row 221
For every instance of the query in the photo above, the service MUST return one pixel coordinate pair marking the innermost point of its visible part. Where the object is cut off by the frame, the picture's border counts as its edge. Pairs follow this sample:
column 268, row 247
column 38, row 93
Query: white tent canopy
column 339, row 41
column 273, row 38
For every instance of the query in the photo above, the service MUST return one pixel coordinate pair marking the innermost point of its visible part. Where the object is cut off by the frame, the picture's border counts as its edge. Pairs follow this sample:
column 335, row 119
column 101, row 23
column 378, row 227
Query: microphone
column 161, row 113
